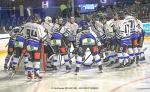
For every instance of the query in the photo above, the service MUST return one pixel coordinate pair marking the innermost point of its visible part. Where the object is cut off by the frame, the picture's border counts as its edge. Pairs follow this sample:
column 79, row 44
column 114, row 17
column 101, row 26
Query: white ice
column 134, row 79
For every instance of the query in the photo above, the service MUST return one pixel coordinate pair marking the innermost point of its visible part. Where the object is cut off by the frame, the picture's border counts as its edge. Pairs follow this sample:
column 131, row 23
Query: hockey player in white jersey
column 123, row 37
column 98, row 28
column 59, row 43
column 139, row 28
column 19, row 50
column 34, row 34
column 13, row 34
column 72, row 27
column 133, row 51
column 110, row 28
column 86, row 39
column 48, row 25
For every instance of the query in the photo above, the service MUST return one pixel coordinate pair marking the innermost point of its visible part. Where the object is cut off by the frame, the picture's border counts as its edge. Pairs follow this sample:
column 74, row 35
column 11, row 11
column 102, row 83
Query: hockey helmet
column 60, row 21
column 121, row 14
column 72, row 19
column 48, row 19
column 35, row 19
column 84, row 25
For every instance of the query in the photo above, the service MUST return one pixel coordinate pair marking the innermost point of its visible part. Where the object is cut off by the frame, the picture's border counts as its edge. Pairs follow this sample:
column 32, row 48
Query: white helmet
column 48, row 19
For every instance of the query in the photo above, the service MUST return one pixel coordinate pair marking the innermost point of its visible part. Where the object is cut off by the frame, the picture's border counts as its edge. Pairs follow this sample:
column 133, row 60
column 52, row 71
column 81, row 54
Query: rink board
column 4, row 38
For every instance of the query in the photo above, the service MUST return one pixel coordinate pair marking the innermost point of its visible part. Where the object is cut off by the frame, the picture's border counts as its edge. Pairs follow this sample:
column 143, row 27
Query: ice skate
column 68, row 69
column 37, row 77
column 5, row 67
column 100, row 68
column 29, row 76
column 77, row 70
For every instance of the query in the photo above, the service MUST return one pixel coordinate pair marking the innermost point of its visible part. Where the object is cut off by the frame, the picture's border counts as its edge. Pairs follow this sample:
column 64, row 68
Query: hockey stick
column 10, row 60
column 86, row 59
column 145, row 49
column 13, row 72
column 69, row 59
column 43, row 58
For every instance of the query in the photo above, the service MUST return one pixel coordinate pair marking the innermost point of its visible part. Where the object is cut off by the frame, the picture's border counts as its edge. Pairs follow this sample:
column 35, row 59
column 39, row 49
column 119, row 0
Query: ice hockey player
column 19, row 50
column 123, row 39
column 98, row 27
column 72, row 27
column 110, row 28
column 13, row 34
column 133, row 51
column 59, row 44
column 85, row 39
column 139, row 28
column 48, row 25
column 35, row 35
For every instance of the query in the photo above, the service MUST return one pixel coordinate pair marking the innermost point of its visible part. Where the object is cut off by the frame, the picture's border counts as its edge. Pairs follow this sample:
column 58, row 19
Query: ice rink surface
column 133, row 79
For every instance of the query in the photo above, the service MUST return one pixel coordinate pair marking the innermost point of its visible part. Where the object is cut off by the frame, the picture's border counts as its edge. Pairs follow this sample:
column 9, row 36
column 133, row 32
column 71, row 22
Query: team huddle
column 116, row 41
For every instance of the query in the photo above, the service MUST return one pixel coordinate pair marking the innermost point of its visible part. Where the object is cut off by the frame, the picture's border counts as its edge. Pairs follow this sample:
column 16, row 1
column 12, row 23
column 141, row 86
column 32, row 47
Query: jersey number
column 113, row 27
column 132, row 24
column 127, row 29
column 31, row 33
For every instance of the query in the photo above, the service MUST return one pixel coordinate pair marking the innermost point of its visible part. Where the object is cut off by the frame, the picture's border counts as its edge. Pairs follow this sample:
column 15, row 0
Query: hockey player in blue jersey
column 86, row 39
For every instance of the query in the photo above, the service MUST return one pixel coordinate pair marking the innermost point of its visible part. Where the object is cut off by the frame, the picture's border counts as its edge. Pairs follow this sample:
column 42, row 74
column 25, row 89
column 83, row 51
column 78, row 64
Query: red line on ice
column 126, row 84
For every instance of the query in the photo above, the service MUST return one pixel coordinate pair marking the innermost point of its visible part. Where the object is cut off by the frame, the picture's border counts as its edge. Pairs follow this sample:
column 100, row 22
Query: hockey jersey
column 123, row 30
column 110, row 27
column 132, row 23
column 72, row 28
column 87, row 37
column 33, row 33
column 99, row 28
column 57, row 34
column 13, row 34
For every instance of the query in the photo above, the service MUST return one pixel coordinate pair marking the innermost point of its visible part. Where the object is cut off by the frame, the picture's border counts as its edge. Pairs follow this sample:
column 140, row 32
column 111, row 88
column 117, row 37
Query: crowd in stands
column 7, row 19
